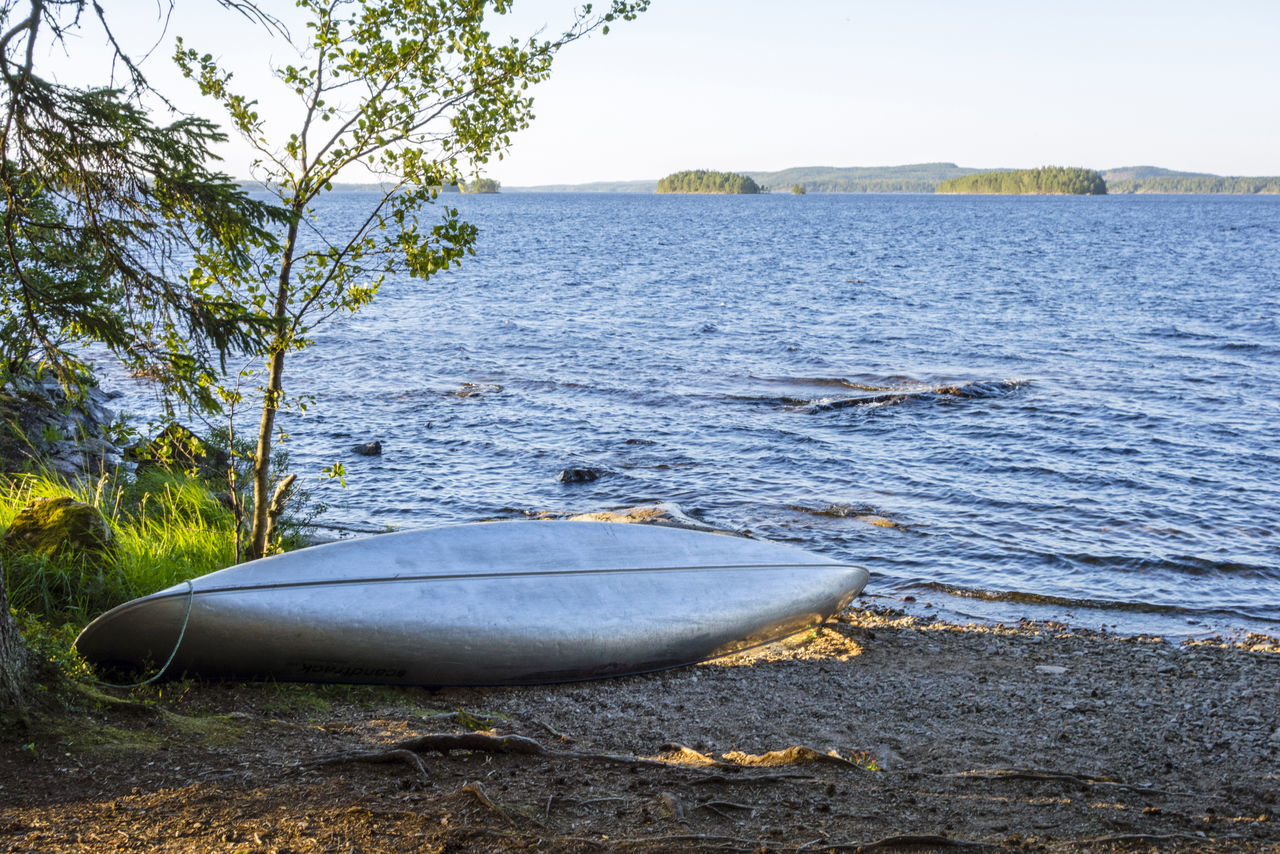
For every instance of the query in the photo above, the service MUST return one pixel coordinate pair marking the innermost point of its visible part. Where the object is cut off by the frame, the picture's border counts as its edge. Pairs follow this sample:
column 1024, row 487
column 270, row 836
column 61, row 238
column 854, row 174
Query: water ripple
column 833, row 371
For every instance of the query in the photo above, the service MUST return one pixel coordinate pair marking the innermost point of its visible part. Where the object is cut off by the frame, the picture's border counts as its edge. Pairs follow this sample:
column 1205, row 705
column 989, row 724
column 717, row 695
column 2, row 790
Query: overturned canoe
column 481, row 604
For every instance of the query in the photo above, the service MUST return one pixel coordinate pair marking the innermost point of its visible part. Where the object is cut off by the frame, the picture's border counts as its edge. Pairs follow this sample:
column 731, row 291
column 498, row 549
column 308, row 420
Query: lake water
column 1064, row 407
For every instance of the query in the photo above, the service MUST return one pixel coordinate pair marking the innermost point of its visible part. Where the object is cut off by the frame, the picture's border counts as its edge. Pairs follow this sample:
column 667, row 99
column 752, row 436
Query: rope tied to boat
column 186, row 619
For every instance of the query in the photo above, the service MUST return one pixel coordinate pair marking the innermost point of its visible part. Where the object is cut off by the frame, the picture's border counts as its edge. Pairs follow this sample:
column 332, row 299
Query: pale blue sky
column 755, row 85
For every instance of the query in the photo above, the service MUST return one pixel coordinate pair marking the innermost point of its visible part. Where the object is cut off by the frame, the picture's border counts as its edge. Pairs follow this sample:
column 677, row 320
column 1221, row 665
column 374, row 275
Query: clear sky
column 763, row 85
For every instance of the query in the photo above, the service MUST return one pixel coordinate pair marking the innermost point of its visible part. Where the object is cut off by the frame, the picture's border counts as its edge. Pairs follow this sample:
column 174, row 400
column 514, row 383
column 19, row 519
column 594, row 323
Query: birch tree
column 419, row 94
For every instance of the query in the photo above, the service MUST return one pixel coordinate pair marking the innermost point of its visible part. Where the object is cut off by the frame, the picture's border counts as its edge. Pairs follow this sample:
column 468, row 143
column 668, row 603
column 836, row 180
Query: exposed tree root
column 477, row 790
column 673, row 806
column 479, row 742
column 677, row 757
column 565, row 738
column 751, row 778
column 1123, row 838
column 909, row 841
column 408, row 757
column 678, row 753
column 721, row 808
column 1034, row 774
column 727, row 843
column 790, row 756
column 735, row 843
column 1062, row 777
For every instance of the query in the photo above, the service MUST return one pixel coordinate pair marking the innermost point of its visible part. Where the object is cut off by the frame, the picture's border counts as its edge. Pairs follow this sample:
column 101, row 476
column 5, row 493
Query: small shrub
column 53, row 647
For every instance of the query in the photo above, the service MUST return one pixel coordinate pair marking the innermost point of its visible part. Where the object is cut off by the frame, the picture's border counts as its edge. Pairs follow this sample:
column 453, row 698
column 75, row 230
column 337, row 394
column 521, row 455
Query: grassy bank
column 168, row 527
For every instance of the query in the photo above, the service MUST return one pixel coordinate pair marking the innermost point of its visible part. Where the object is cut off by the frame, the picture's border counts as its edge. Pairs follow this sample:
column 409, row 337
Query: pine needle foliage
column 102, row 212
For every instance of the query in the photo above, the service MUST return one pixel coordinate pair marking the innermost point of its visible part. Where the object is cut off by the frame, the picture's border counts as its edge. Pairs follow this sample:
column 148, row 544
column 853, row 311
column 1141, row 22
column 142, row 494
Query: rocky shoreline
column 39, row 423
column 878, row 732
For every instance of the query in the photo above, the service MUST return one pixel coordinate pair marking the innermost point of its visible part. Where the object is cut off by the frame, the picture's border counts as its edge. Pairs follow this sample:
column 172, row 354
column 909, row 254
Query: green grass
column 168, row 527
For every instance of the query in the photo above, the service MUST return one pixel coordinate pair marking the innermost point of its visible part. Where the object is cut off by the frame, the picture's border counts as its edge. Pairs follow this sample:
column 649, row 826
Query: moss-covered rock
column 49, row 525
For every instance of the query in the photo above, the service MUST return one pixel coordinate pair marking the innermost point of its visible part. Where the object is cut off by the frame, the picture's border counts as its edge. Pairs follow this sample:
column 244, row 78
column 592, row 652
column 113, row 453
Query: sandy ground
column 914, row 736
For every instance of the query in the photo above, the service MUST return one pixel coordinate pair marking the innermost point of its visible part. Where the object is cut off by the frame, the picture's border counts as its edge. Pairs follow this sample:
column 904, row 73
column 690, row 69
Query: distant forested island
column 915, row 178
column 481, row 185
column 705, row 181
column 1047, row 180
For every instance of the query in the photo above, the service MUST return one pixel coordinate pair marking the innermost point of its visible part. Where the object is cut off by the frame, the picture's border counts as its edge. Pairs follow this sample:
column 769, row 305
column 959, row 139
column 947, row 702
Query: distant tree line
column 703, row 181
column 1128, row 173
column 926, row 178
column 1052, row 180
column 912, row 178
column 480, row 185
column 871, row 185
column 1195, row 184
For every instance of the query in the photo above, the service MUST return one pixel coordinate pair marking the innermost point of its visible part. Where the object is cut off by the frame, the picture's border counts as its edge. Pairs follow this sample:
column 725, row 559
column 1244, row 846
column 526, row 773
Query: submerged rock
column 580, row 475
column 47, row 526
column 475, row 390
column 664, row 513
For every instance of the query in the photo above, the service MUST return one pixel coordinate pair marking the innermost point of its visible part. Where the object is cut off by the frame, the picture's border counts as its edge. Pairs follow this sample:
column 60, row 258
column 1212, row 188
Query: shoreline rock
column 71, row 438
column 664, row 513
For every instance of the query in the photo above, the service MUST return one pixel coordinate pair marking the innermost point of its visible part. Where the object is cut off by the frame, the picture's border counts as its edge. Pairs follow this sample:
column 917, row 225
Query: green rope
column 191, row 597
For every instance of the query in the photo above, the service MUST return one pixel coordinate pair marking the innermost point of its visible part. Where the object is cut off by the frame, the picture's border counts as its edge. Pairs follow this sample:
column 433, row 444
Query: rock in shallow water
column 580, row 475
column 663, row 513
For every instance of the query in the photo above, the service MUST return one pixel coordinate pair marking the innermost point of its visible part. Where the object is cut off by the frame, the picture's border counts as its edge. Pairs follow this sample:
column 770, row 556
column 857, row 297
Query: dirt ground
column 910, row 735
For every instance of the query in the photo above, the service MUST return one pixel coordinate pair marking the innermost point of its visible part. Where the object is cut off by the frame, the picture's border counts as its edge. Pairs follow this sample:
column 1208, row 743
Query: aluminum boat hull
column 481, row 604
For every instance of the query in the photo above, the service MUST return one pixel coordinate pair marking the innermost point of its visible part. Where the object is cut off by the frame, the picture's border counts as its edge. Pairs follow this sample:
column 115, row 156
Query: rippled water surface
column 1000, row 406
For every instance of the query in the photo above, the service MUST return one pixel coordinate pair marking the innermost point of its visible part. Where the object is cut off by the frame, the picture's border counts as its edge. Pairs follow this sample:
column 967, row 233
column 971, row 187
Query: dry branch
column 480, row 795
